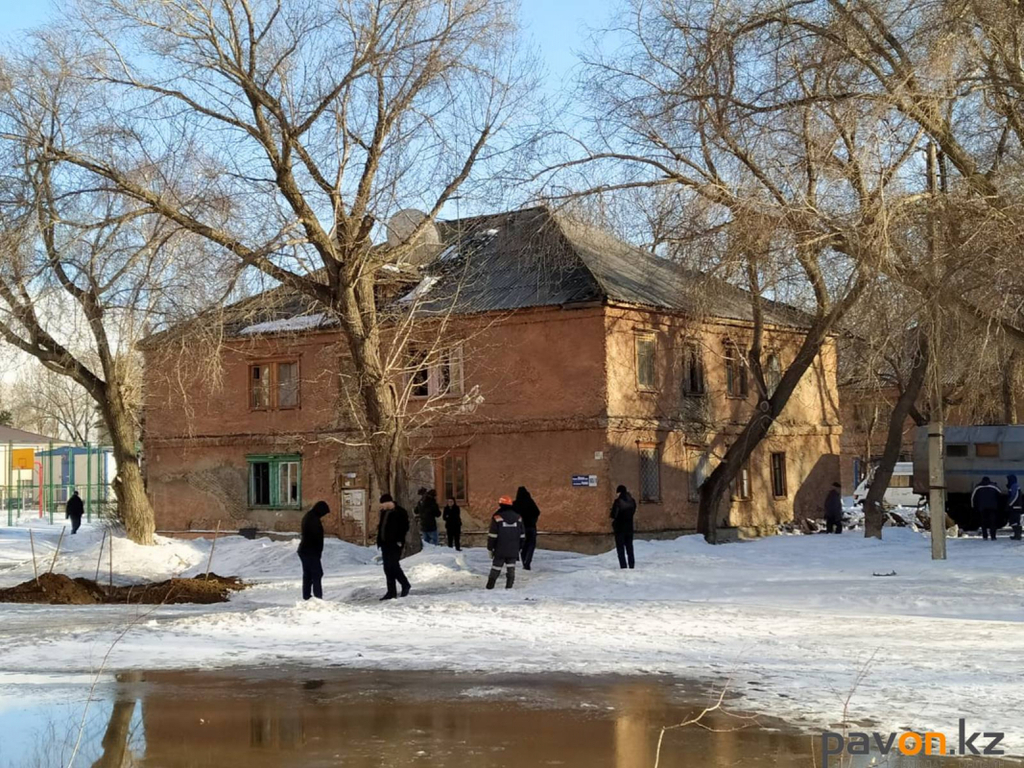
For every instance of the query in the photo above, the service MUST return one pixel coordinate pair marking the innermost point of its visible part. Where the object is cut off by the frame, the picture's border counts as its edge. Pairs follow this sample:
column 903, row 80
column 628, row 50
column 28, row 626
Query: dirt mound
column 58, row 589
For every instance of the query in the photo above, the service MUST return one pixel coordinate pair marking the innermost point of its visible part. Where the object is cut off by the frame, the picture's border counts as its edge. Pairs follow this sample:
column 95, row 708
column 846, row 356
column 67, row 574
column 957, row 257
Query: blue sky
column 557, row 28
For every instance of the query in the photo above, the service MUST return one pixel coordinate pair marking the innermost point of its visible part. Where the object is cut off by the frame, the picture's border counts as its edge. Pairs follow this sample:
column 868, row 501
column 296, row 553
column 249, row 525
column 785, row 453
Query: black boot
column 1016, row 533
column 493, row 578
column 510, row 577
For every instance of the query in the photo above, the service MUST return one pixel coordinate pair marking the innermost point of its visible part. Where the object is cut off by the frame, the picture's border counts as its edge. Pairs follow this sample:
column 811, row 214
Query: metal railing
column 57, row 470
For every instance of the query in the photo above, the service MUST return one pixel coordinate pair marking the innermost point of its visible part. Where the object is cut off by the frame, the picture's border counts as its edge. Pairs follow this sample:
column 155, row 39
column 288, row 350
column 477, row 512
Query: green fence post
column 88, row 482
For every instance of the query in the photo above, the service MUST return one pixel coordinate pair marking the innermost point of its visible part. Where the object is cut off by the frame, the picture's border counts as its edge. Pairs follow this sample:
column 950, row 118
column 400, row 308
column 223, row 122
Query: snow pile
column 286, row 325
column 791, row 622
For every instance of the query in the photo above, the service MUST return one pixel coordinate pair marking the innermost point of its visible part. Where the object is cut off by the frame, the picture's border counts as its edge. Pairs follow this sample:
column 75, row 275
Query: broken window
column 436, row 374
column 274, row 385
column 275, row 481
column 693, row 370
column 741, row 490
column 773, row 372
column 735, row 372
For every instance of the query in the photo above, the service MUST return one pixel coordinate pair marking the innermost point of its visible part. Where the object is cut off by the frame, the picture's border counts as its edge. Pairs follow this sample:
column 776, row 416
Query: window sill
column 275, row 508
column 652, row 502
column 647, row 391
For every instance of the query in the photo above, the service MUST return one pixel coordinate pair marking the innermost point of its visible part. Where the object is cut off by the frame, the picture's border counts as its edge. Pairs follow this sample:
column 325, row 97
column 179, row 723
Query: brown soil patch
column 58, row 589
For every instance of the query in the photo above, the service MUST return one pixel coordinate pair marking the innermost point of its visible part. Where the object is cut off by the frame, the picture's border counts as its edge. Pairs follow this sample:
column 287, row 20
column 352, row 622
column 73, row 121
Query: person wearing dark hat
column 1014, row 505
column 623, row 512
column 985, row 502
column 504, row 540
column 392, row 526
column 311, row 549
column 527, row 509
column 427, row 512
column 834, row 509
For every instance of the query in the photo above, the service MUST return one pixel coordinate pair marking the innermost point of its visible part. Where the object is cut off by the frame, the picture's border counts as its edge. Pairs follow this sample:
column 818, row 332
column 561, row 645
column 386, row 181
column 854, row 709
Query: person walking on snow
column 985, row 502
column 504, row 540
column 74, row 511
column 1014, row 505
column 623, row 511
column 427, row 512
column 452, row 517
column 392, row 526
column 527, row 509
column 311, row 549
column 834, row 510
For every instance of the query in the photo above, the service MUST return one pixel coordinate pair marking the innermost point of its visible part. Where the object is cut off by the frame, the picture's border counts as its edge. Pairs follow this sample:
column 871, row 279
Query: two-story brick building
column 576, row 362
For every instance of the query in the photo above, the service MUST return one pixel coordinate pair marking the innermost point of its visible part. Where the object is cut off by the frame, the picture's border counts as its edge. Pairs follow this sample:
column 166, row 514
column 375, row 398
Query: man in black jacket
column 834, row 510
column 527, row 509
column 504, row 540
column 985, row 500
column 392, row 527
column 74, row 510
column 311, row 549
column 623, row 510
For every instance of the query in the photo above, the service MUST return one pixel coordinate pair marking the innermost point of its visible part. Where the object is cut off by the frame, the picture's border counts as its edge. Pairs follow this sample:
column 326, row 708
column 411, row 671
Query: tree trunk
column 133, row 507
column 873, row 513
column 1010, row 370
column 713, row 491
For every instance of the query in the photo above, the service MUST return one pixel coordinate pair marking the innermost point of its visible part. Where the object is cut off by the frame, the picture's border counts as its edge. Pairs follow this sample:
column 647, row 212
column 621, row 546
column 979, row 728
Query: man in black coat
column 311, row 549
column 392, row 527
column 452, row 516
column 1014, row 505
column 74, row 511
column 504, row 540
column 985, row 500
column 623, row 511
column 527, row 509
column 834, row 509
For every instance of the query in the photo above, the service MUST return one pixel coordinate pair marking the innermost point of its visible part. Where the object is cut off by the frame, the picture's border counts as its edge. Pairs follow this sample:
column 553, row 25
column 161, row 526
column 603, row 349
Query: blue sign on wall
column 584, row 481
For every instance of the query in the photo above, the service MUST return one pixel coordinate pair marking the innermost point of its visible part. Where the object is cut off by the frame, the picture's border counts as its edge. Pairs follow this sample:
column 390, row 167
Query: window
column 275, row 481
column 701, row 470
column 957, row 450
column 899, row 481
column 650, row 474
column 773, row 372
column 735, row 372
column 779, row 475
column 454, row 477
column 986, row 450
column 741, row 490
column 274, row 386
column 440, row 377
column 646, row 347
column 693, row 370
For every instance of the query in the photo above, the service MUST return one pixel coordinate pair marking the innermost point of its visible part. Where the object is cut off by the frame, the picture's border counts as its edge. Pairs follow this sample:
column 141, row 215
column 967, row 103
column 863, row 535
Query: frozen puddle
column 301, row 718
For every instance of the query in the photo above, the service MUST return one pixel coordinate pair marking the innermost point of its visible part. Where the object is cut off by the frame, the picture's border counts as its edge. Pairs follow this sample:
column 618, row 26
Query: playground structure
column 39, row 474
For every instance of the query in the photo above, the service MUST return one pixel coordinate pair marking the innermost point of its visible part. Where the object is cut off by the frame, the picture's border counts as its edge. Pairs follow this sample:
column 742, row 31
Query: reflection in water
column 207, row 720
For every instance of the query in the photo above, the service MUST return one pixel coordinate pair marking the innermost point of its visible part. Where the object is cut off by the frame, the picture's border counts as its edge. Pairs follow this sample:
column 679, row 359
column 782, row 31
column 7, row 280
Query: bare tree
column 288, row 133
column 790, row 187
column 54, row 404
column 83, row 271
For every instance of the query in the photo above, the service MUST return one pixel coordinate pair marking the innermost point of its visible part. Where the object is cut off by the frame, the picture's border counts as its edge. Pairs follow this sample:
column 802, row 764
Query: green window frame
column 275, row 481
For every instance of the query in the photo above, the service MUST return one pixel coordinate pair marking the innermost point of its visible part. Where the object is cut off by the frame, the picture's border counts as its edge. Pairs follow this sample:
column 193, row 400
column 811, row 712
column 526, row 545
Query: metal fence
column 36, row 480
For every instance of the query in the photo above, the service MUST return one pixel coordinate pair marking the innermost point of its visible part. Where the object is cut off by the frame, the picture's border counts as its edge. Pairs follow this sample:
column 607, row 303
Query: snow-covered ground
column 791, row 622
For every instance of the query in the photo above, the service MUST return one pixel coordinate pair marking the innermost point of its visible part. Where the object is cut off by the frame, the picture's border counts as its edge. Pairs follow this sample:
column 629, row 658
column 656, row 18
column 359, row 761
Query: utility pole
column 936, row 447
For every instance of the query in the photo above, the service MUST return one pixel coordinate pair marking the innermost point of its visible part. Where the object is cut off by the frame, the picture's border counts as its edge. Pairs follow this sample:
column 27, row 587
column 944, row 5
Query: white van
column 900, row 492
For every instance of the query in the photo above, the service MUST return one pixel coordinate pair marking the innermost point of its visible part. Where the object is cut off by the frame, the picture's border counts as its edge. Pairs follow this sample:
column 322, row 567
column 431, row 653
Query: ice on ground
column 789, row 622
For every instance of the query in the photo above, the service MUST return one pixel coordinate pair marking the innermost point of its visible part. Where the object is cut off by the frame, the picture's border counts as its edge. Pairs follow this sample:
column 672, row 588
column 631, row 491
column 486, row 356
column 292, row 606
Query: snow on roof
column 424, row 286
column 286, row 325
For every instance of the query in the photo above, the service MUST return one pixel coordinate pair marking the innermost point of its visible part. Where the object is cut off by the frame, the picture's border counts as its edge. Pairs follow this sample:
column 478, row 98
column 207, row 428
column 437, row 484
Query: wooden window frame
column 272, row 365
column 735, row 371
column 274, row 461
column 692, row 348
column 640, row 448
column 440, row 476
column 737, row 480
column 772, row 354
column 693, row 491
column 651, row 336
column 433, row 382
column 784, row 475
